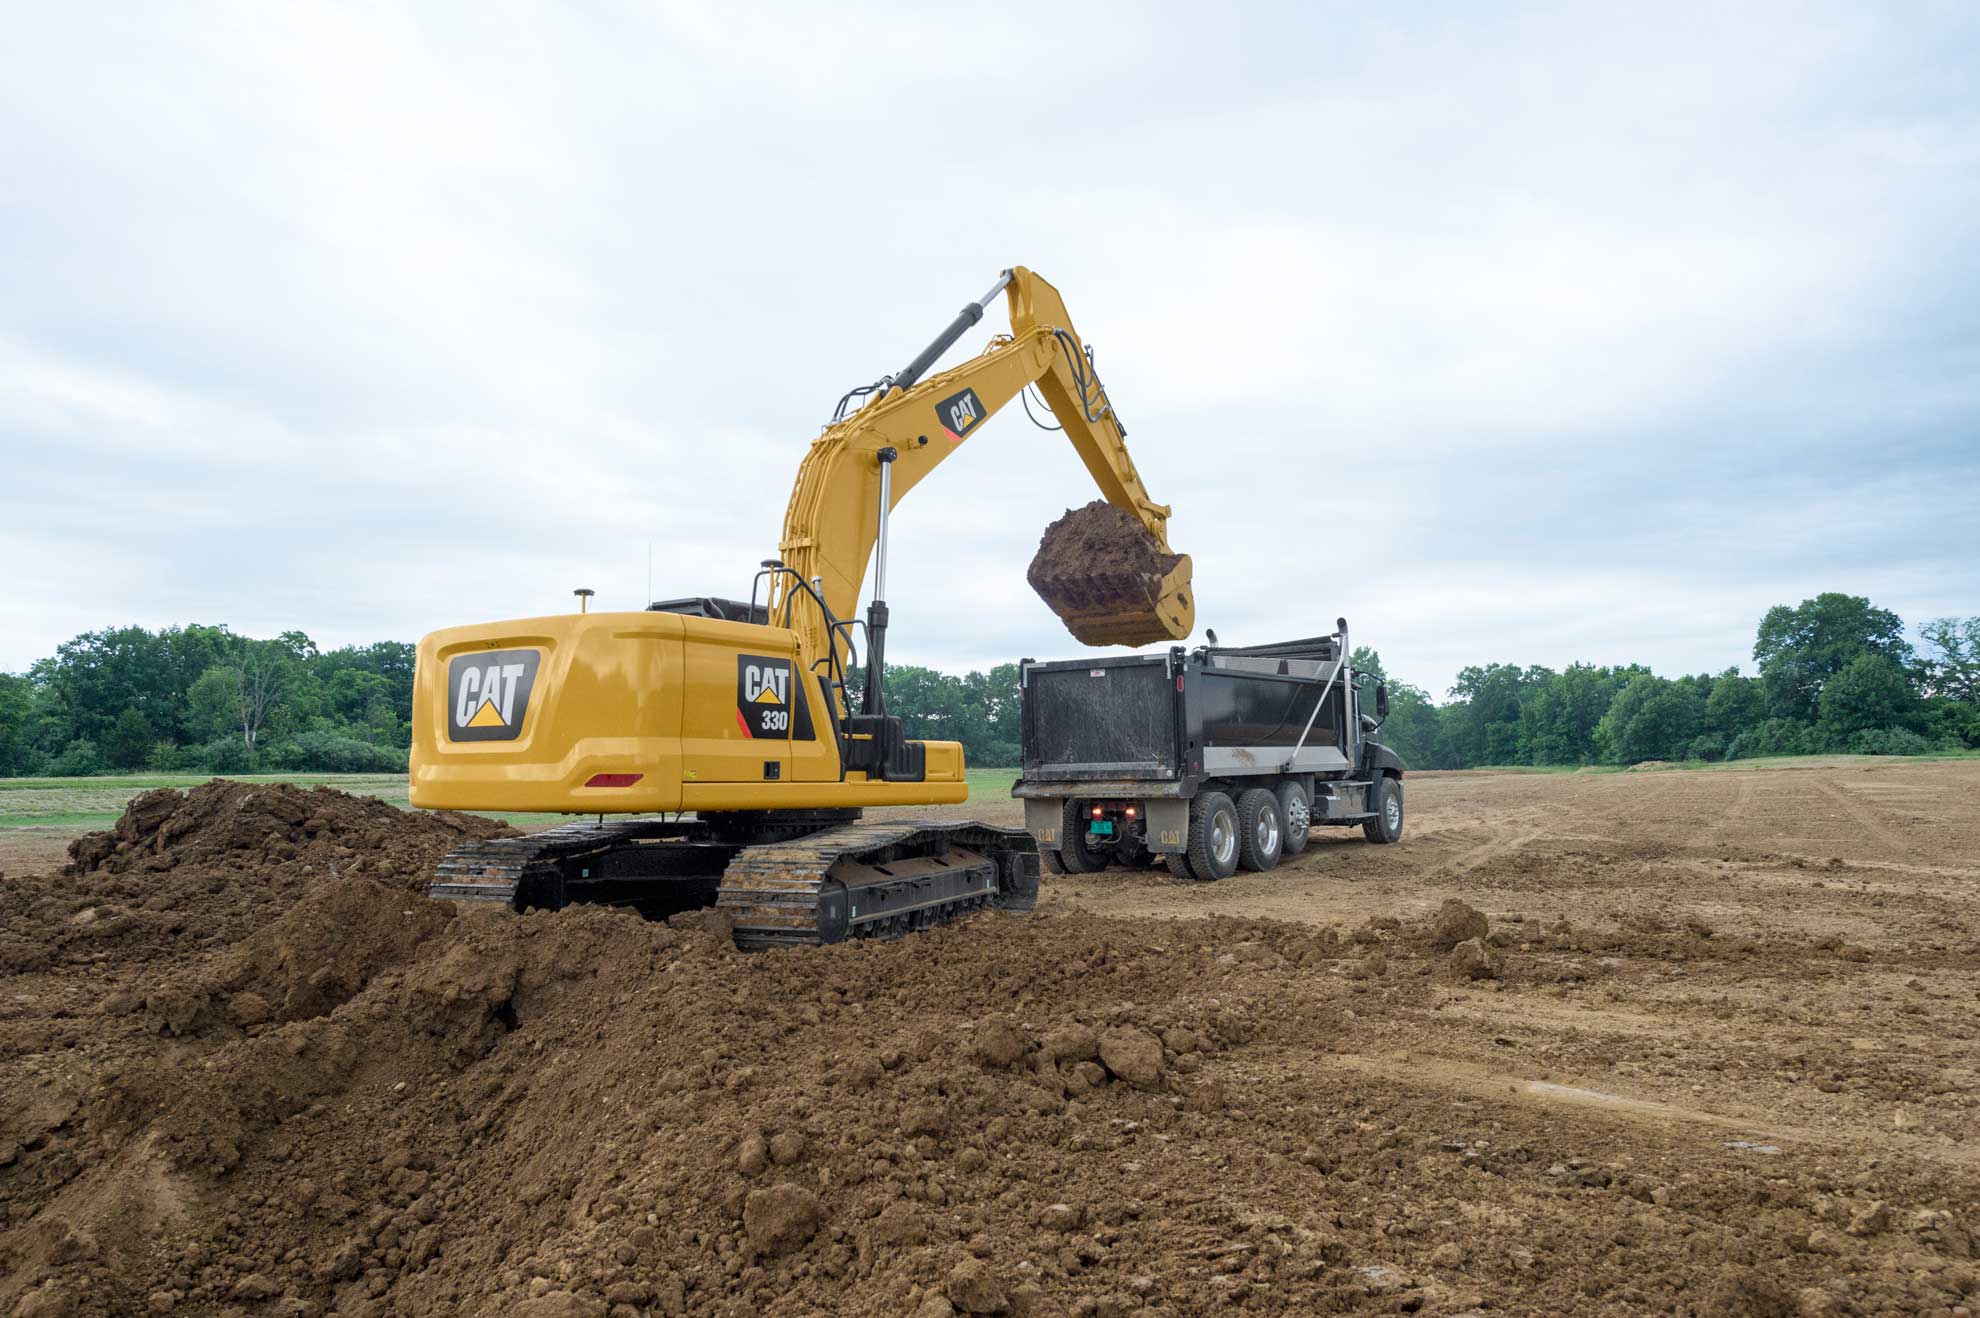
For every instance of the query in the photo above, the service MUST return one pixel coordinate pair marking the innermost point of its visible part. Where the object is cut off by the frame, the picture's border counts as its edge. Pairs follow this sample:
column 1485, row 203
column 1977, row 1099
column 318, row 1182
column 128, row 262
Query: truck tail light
column 613, row 779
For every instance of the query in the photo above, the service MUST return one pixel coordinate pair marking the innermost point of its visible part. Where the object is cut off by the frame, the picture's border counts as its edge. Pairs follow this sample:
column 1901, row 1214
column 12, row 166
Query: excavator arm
column 910, row 424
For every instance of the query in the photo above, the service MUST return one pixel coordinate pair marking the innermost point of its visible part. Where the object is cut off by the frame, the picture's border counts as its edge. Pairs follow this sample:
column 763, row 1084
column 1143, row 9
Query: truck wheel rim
column 1268, row 833
column 1392, row 814
column 1223, row 837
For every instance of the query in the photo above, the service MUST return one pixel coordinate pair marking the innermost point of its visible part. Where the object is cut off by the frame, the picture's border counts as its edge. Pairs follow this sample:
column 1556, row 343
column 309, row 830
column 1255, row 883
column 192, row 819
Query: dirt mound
column 185, row 872
column 368, row 1103
column 271, row 826
column 1101, row 572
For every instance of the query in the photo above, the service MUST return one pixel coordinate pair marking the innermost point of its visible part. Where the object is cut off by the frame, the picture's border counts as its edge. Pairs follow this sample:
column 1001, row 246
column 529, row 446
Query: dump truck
column 1211, row 759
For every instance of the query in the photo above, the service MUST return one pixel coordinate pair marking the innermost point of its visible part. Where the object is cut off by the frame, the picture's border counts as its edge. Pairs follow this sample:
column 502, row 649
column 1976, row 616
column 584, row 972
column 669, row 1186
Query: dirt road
column 1717, row 1052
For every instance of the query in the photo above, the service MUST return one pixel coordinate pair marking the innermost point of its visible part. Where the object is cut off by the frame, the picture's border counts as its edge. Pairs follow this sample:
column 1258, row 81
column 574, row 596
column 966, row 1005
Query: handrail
column 1340, row 662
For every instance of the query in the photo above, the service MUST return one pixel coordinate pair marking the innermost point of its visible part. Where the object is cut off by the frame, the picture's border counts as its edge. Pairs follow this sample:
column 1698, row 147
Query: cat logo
column 488, row 694
column 766, row 685
column 960, row 413
column 765, row 704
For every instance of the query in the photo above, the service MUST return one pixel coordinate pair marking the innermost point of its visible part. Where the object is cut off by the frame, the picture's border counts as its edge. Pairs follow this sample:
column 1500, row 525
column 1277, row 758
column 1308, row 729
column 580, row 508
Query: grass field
column 77, row 804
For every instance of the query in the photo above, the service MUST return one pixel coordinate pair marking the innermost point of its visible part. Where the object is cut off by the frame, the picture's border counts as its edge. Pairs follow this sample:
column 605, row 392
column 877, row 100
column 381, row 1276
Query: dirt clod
column 1456, row 922
column 781, row 1218
column 1134, row 1055
column 973, row 1287
column 1474, row 958
column 999, row 1042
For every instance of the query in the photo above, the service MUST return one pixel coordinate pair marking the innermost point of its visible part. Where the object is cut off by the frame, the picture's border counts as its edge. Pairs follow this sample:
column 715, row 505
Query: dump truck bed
column 1184, row 716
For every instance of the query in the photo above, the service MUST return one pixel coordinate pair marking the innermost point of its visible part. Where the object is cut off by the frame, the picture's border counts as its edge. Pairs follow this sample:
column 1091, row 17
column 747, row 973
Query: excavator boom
column 1131, row 590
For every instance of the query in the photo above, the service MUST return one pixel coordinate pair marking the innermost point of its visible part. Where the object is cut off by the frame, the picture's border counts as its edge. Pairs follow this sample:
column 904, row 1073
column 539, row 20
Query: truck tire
column 1075, row 857
column 1261, row 829
column 1296, row 809
column 1387, row 824
column 1213, row 836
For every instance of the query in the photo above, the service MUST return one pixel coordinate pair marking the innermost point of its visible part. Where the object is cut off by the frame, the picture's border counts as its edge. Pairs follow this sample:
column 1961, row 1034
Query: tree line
column 207, row 699
column 1833, row 674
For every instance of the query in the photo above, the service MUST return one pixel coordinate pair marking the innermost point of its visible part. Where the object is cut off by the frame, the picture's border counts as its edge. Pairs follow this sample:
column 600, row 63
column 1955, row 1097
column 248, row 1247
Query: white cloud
column 1573, row 333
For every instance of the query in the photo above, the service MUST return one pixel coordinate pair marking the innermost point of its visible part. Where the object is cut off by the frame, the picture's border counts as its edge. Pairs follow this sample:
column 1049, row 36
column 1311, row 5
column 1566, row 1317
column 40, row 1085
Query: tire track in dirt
column 1737, row 811
column 1418, row 1070
column 1862, row 814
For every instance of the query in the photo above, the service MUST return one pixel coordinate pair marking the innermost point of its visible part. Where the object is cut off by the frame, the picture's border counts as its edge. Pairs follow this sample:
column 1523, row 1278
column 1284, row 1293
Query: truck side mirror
column 1381, row 700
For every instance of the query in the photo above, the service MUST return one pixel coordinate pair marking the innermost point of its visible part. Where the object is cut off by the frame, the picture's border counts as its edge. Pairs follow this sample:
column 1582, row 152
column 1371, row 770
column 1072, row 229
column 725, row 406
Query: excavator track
column 879, row 879
column 860, row 880
column 613, row 864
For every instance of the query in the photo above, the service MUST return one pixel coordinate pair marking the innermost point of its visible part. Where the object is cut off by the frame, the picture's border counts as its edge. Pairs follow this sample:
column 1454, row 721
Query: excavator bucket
column 1110, row 581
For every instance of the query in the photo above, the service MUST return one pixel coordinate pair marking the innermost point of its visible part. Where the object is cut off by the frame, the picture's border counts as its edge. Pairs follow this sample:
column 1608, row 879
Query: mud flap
column 1167, row 822
column 1042, row 818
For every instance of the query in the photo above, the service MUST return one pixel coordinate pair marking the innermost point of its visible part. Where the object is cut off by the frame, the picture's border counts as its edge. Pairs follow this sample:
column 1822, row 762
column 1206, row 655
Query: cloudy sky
column 1537, row 335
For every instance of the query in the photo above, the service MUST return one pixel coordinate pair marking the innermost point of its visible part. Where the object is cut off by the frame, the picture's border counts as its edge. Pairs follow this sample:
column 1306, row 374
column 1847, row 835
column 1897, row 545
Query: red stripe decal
column 743, row 723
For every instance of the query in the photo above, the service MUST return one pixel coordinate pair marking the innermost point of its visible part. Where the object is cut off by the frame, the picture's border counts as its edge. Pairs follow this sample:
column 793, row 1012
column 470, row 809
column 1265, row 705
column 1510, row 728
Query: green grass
column 85, row 803
column 990, row 784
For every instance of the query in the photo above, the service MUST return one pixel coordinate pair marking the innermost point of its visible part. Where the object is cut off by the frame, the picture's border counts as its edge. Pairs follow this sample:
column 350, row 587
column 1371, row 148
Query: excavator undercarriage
column 793, row 886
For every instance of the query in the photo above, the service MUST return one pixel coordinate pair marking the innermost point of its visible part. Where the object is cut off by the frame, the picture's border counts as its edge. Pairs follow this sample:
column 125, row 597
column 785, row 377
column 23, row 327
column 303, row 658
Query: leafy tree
column 128, row 743
column 210, row 705
column 1800, row 649
column 1870, row 691
column 1952, row 659
column 1736, row 704
column 98, row 675
column 1491, row 696
column 1774, row 736
column 1652, row 718
column 17, row 752
column 79, row 759
column 1557, row 722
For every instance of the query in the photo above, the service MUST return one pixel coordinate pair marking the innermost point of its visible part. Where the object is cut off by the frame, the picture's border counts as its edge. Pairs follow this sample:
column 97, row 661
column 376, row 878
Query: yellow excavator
column 742, row 735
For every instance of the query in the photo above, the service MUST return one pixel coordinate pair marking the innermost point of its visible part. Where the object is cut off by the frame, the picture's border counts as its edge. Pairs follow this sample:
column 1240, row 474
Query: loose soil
column 1714, row 1051
column 1098, row 561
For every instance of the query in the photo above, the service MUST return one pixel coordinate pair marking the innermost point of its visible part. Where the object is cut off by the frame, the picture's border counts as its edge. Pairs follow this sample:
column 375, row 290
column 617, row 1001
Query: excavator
column 734, row 745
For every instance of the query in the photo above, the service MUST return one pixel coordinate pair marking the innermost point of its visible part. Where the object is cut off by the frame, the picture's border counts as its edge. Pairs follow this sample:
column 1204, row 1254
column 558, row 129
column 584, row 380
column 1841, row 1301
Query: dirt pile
column 183, row 872
column 369, row 1103
column 1100, row 571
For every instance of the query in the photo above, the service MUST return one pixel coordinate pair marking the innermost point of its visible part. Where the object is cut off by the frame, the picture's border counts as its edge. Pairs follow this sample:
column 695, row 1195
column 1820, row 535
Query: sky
column 1510, row 333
